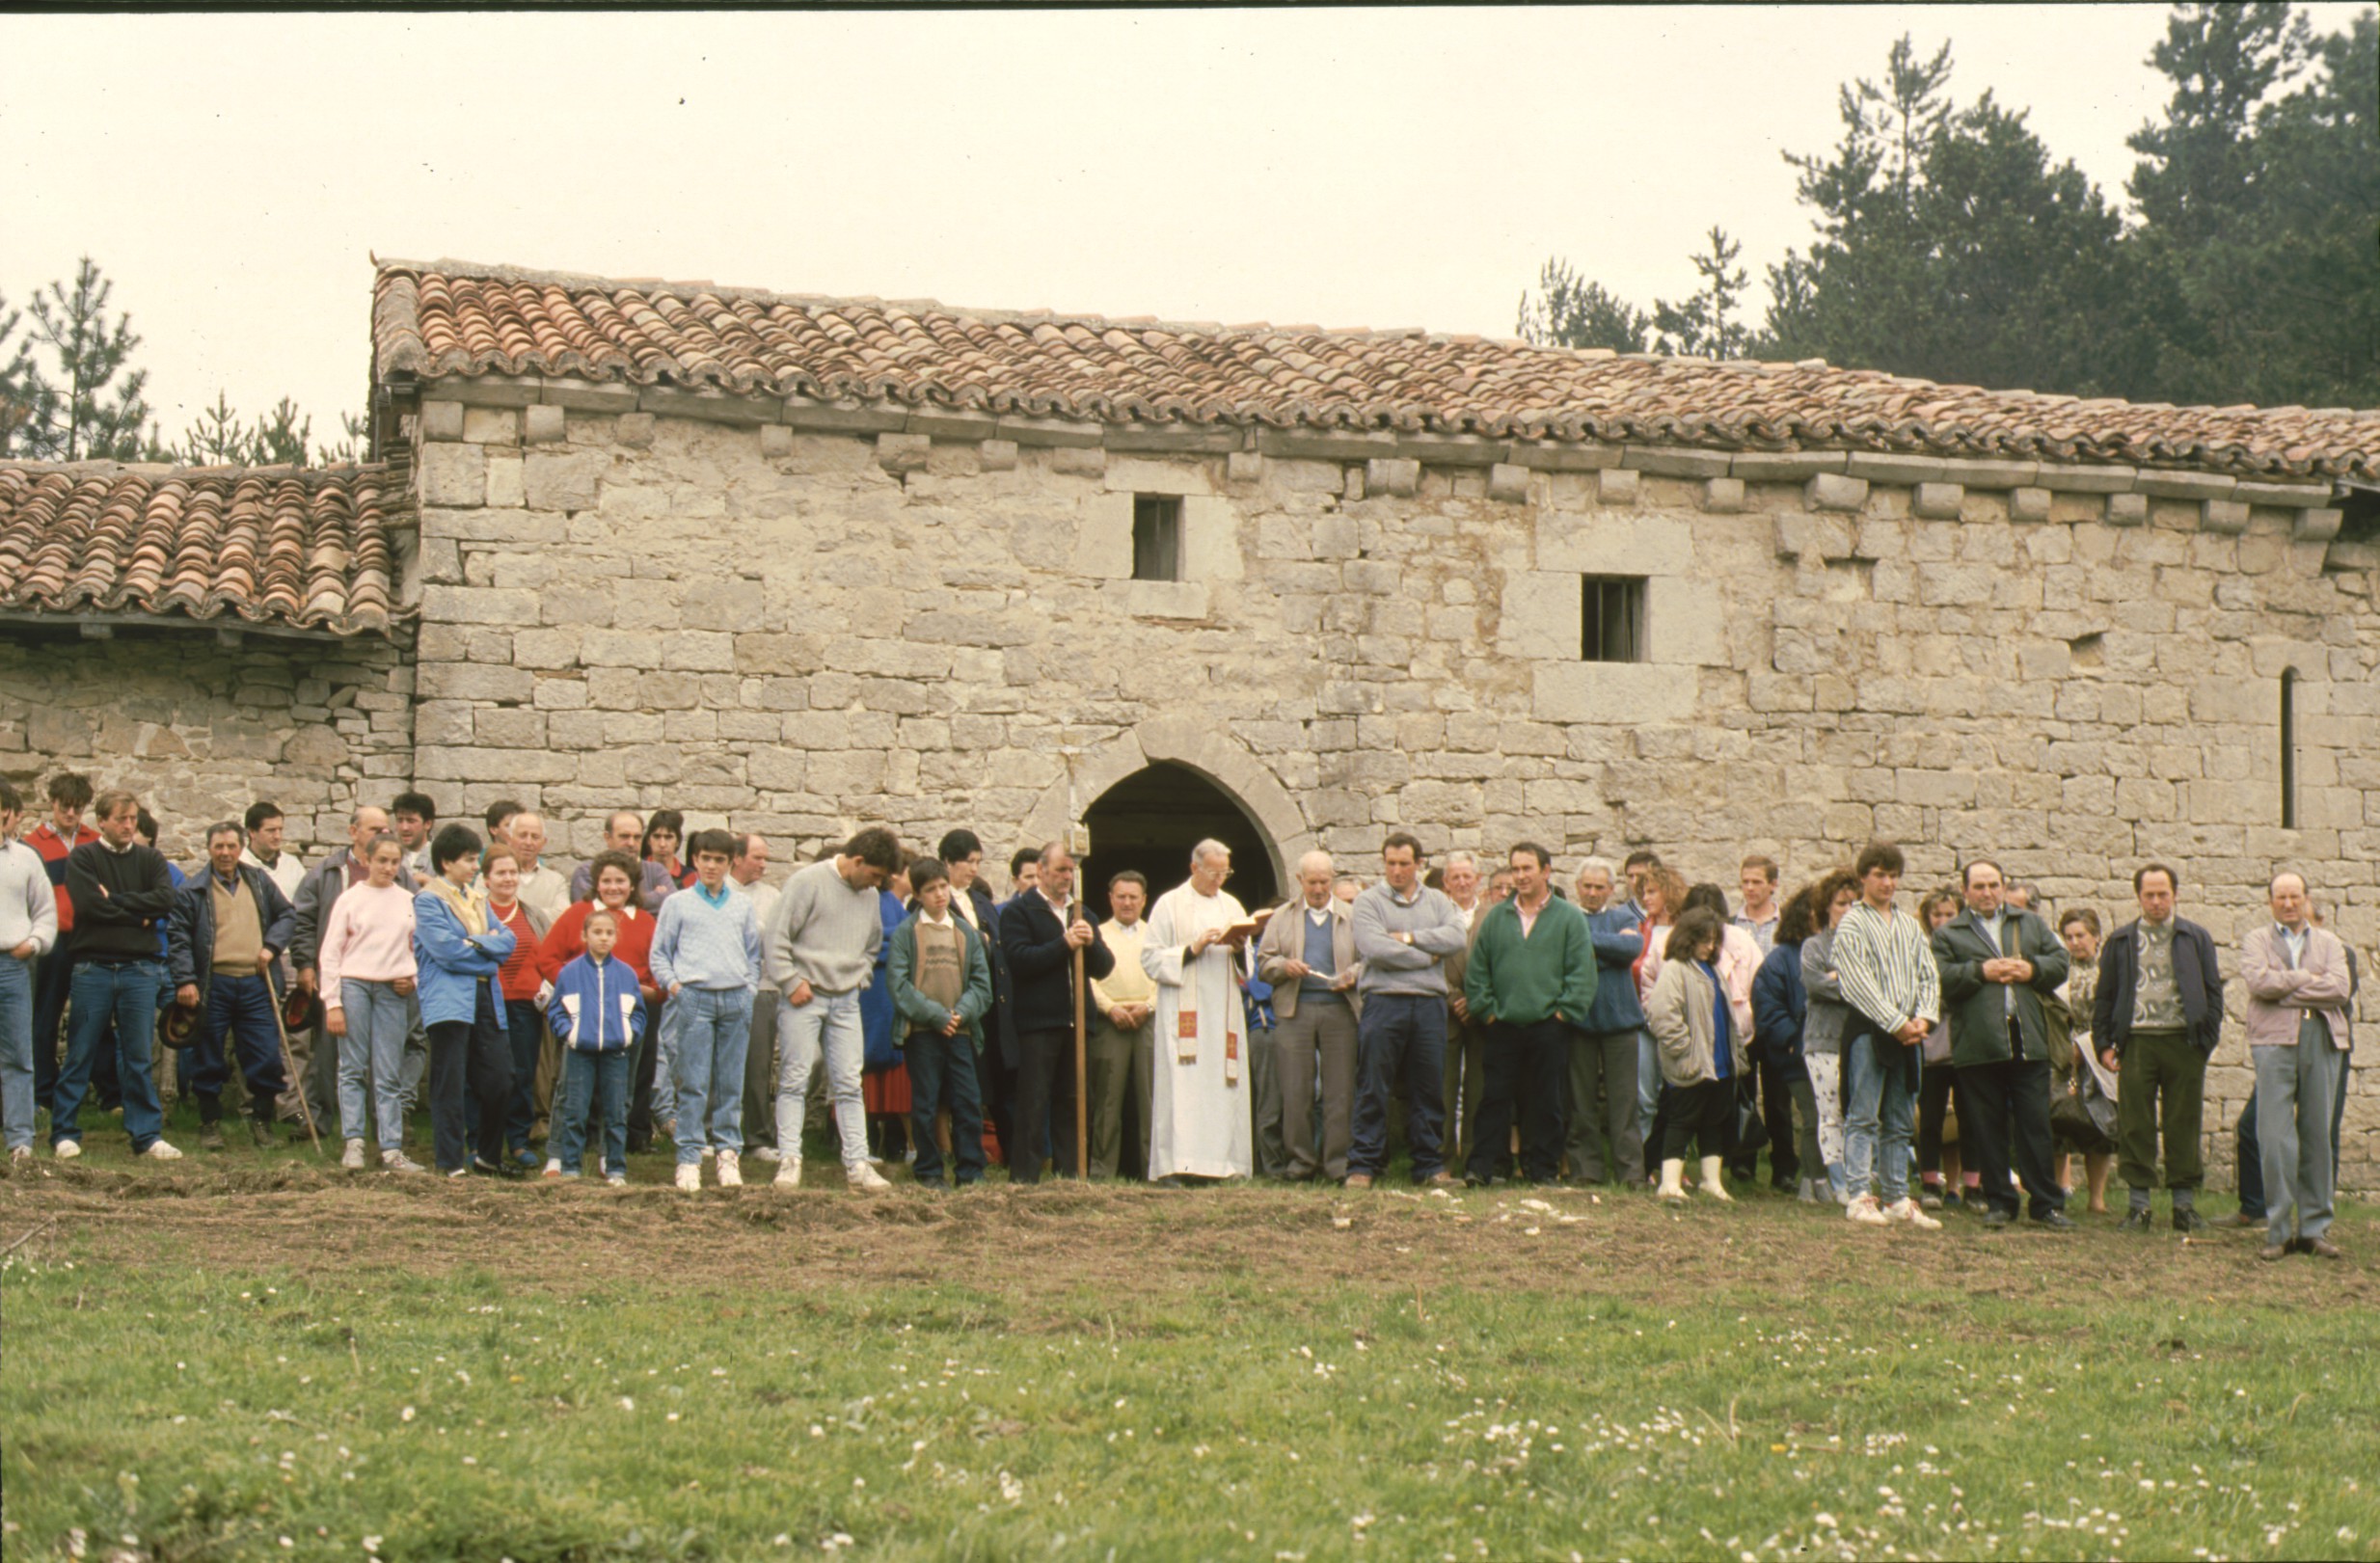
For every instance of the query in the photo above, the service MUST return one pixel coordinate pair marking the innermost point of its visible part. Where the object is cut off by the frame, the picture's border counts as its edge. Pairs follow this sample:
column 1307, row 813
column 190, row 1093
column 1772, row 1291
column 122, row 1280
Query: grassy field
column 257, row 1355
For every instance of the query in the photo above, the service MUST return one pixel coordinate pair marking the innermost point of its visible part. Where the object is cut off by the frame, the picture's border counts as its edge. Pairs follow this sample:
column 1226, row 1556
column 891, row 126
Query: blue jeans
column 1880, row 1119
column 827, row 1025
column 526, row 1028
column 1400, row 1035
column 714, row 1027
column 125, row 993
column 584, row 1077
column 372, row 1059
column 1648, row 1090
column 16, row 1051
column 241, row 1009
column 942, row 1074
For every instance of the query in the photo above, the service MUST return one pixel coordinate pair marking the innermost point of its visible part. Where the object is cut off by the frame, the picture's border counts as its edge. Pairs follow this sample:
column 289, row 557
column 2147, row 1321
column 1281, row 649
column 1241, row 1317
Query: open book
column 1238, row 934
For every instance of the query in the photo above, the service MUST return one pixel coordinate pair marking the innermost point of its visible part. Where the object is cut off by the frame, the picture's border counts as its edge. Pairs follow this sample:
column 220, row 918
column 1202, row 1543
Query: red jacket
column 53, row 849
column 566, row 941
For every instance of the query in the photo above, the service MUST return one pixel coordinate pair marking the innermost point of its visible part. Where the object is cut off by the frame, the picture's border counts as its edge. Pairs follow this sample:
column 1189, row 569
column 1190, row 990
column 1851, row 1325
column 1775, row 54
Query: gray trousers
column 1603, row 1106
column 1270, row 1143
column 1317, row 1043
column 2295, row 1089
column 1118, row 1064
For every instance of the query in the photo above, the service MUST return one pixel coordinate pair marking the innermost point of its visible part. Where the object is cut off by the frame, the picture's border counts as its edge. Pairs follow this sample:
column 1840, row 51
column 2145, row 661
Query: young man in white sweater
column 818, row 954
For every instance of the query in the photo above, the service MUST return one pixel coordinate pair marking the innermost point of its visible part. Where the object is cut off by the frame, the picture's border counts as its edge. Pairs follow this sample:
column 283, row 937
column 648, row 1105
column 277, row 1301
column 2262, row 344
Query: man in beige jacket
column 2298, row 987
column 1307, row 955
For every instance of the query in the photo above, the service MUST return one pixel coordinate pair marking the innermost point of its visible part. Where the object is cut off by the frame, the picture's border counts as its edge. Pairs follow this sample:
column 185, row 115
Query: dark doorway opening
column 1151, row 819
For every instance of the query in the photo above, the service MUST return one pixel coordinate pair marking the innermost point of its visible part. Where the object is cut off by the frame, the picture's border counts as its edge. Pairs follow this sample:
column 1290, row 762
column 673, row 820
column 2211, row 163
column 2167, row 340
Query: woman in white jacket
column 1703, row 1053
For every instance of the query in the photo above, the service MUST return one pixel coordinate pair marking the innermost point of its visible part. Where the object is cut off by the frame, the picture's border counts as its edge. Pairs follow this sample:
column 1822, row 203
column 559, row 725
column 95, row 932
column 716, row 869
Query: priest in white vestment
column 1199, row 1117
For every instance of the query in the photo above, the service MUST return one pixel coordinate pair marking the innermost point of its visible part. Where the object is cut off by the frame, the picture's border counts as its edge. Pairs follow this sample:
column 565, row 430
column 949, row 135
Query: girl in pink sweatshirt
column 368, row 1002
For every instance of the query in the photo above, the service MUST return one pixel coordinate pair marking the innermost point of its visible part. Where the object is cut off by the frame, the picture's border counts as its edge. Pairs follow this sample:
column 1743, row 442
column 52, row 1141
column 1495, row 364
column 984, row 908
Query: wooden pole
column 1082, row 1072
column 288, row 1070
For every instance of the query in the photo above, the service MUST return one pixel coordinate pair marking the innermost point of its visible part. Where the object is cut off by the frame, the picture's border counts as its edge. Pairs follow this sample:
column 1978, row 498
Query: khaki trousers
column 1118, row 1062
column 1317, row 1042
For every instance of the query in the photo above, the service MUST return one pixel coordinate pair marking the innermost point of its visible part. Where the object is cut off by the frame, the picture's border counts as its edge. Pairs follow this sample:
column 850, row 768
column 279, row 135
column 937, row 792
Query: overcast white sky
column 1346, row 167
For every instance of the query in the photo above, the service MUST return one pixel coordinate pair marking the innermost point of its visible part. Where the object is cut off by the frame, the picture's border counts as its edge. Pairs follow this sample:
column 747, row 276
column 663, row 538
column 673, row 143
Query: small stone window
column 1156, row 537
column 2289, row 749
column 1612, row 621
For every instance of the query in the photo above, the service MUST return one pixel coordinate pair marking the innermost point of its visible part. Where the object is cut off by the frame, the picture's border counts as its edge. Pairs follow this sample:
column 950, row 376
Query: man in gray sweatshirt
column 1403, row 931
column 819, row 953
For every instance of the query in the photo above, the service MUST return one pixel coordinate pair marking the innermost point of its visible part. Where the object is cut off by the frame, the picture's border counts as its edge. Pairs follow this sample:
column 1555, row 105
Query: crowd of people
column 1494, row 1025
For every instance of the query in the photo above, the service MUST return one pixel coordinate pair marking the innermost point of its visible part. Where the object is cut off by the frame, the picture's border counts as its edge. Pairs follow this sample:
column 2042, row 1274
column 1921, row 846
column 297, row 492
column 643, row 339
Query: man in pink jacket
column 2298, row 990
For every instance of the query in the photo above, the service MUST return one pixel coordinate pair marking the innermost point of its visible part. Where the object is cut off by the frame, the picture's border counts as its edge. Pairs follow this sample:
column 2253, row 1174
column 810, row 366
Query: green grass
column 212, row 1357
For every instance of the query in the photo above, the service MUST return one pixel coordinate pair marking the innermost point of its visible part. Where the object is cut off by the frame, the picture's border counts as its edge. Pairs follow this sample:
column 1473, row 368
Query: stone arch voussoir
column 1195, row 746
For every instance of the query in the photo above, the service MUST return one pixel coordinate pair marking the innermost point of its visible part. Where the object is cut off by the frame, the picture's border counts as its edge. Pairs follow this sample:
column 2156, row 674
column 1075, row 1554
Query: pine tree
column 1570, row 311
column 1700, row 326
column 16, row 380
column 93, row 407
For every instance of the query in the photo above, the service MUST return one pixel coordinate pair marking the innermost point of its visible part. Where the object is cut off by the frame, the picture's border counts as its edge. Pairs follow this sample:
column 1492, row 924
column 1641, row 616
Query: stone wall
column 841, row 617
column 200, row 730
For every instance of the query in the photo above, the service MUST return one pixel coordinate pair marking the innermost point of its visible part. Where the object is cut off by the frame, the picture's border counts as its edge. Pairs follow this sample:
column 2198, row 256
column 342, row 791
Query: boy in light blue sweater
column 706, row 959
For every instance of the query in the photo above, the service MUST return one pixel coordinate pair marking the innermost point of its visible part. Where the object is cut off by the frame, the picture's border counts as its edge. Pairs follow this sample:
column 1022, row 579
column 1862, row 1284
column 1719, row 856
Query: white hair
column 1317, row 858
column 1599, row 865
column 1458, row 859
column 1209, row 848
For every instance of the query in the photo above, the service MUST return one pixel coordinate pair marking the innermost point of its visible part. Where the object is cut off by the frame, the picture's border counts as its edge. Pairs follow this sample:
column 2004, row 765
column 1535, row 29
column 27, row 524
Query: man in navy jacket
column 2155, row 1020
column 1040, row 930
column 230, row 927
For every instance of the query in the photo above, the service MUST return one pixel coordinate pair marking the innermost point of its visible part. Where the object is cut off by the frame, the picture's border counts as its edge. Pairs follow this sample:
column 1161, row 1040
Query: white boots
column 1673, row 1181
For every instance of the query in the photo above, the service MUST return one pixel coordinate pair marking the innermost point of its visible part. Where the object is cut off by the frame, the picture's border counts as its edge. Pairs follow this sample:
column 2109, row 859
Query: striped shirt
column 1885, row 967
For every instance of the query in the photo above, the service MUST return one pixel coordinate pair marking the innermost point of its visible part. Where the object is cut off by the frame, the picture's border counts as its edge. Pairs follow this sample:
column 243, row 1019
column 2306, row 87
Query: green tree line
column 1949, row 244
column 70, row 391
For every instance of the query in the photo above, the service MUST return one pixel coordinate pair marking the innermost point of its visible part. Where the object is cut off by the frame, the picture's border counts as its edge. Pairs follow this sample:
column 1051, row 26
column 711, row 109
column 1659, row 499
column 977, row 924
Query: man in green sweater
column 1531, row 978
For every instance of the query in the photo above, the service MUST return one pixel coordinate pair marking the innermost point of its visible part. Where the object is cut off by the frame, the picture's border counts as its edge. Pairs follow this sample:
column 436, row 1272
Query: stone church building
column 799, row 563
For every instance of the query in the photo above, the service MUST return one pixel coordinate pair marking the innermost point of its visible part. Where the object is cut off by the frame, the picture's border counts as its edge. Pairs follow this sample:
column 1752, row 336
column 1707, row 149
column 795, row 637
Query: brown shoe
column 2322, row 1248
column 2271, row 1252
column 1358, row 1180
column 1443, row 1179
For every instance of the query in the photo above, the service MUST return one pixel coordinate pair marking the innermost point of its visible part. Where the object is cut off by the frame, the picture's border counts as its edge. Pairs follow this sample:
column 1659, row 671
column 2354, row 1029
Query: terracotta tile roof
column 451, row 318
column 270, row 544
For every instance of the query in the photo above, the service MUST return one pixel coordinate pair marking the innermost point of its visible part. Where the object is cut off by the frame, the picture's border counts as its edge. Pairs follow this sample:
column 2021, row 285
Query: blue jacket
column 190, row 934
column 1778, row 1003
column 450, row 962
column 1617, row 934
column 596, row 1009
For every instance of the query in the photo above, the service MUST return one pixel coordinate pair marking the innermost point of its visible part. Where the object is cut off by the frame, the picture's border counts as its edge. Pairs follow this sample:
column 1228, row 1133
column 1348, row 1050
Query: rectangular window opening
column 1612, row 621
column 2289, row 749
column 1156, row 537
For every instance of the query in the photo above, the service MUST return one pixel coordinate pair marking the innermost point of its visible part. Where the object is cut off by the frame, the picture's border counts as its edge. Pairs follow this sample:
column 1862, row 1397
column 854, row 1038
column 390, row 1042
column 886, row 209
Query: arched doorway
column 1151, row 819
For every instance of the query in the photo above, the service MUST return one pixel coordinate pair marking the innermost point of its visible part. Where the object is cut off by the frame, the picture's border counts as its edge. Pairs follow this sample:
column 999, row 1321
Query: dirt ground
column 1045, row 1250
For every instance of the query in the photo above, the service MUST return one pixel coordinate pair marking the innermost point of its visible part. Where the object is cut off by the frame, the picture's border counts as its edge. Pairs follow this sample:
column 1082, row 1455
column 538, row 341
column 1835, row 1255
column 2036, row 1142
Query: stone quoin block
column 1617, row 486
column 1723, row 496
column 492, row 425
column 901, row 455
column 2226, row 516
column 2128, row 509
column 2028, row 505
column 442, row 420
column 455, row 475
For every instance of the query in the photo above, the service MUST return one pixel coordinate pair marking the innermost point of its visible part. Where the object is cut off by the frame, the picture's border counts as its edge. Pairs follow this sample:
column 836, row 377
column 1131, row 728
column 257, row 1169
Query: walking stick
column 288, row 1069
column 1082, row 1077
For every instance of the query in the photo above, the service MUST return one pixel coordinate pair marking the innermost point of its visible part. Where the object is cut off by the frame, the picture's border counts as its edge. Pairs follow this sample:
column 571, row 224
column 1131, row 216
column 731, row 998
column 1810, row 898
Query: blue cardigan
column 449, row 963
column 1617, row 933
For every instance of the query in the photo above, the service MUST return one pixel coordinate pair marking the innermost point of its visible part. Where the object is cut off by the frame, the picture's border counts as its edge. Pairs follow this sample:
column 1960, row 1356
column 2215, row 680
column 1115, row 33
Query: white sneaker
column 731, row 1171
column 353, row 1159
column 20, row 1153
column 159, row 1150
column 553, row 1166
column 789, row 1174
column 617, row 1180
column 396, row 1161
column 867, row 1178
column 1867, row 1212
column 68, row 1149
column 689, row 1176
column 463, row 1170
column 767, row 1153
column 1908, row 1214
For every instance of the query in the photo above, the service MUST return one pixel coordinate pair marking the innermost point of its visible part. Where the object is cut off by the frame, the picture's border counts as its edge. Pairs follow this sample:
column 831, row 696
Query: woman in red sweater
column 615, row 876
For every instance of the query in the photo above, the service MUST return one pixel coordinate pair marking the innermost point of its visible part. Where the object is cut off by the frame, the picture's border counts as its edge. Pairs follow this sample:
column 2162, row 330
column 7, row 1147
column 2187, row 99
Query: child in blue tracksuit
column 596, row 1013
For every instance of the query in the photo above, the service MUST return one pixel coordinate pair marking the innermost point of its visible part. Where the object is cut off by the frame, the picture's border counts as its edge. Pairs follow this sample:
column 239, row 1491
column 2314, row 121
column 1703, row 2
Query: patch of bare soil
column 1047, row 1251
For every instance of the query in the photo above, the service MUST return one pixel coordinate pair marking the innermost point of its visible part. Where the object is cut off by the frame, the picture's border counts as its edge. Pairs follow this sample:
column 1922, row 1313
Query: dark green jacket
column 912, row 1011
column 1522, row 980
column 1977, row 1009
